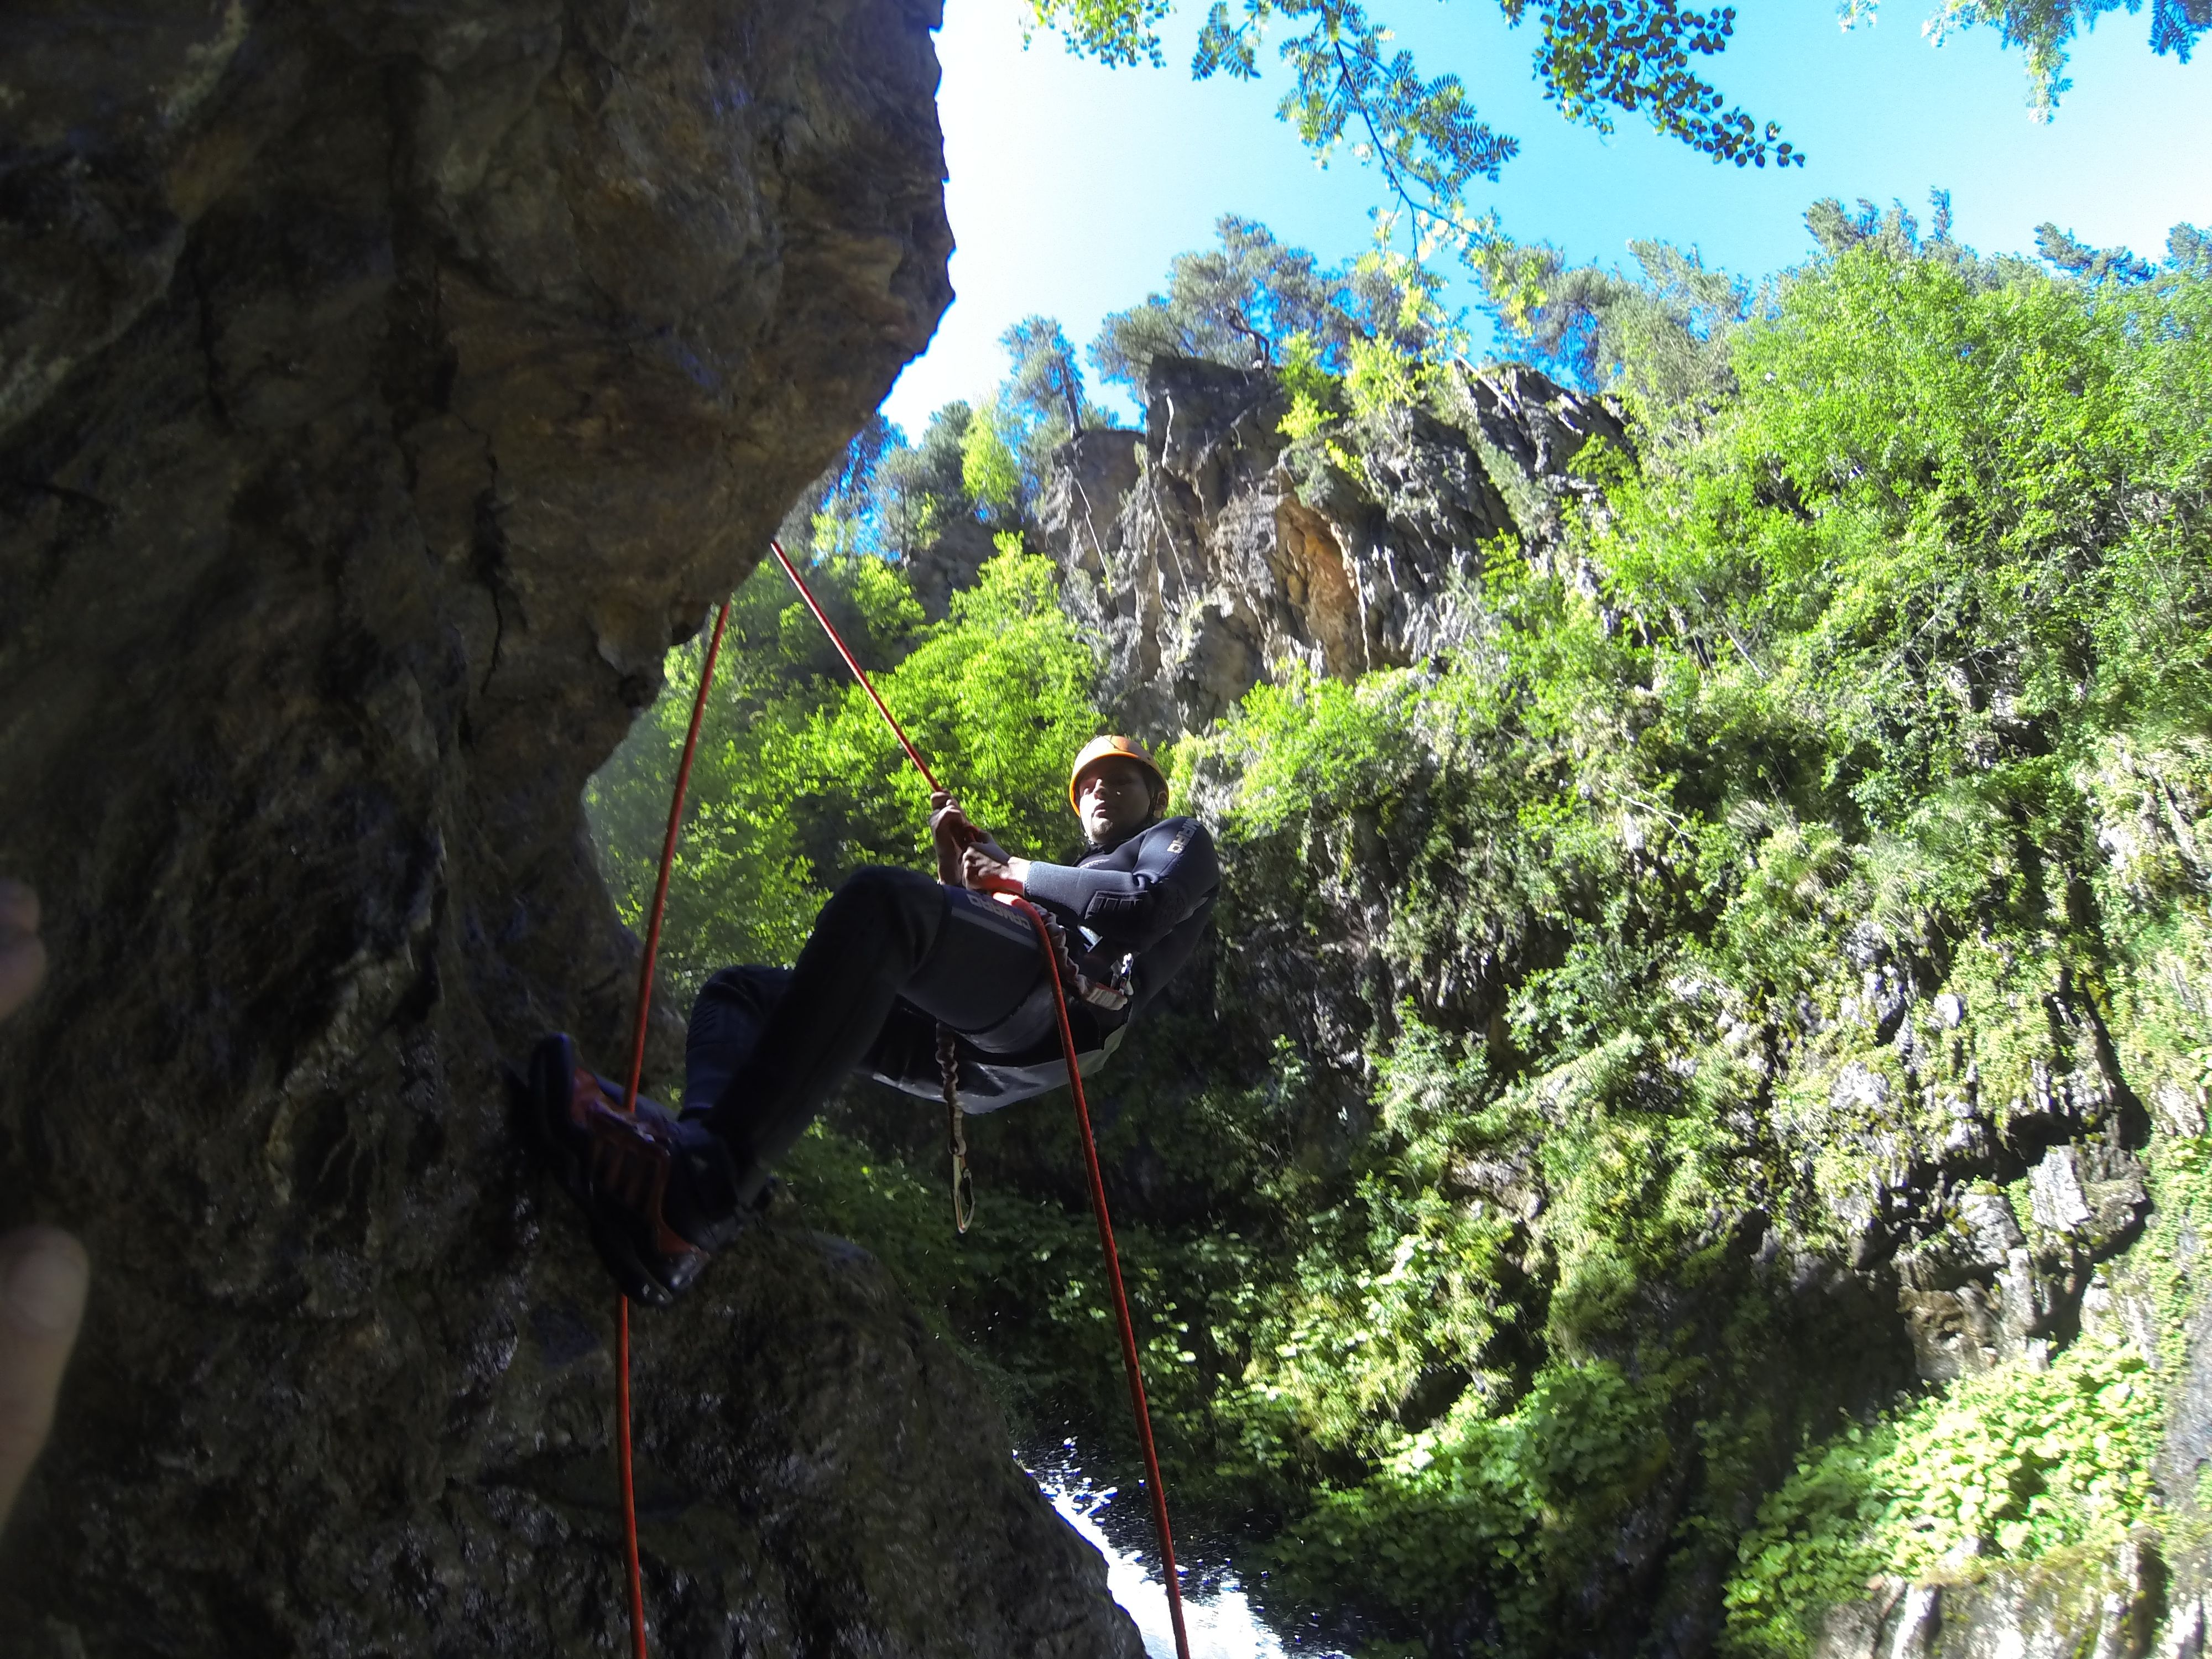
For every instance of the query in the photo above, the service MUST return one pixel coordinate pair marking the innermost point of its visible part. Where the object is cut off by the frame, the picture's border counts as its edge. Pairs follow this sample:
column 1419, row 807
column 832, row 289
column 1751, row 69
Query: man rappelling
column 894, row 961
column 905, row 978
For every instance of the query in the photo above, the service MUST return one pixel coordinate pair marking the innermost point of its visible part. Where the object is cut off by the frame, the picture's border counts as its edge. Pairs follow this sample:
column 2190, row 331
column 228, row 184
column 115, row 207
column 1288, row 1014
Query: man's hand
column 22, row 954
column 43, row 1271
column 954, row 837
column 950, row 832
column 981, row 873
column 43, row 1277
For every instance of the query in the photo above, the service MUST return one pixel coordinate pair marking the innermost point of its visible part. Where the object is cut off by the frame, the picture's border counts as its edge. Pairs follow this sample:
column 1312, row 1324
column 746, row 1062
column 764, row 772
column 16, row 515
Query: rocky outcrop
column 385, row 387
column 1977, row 1291
column 2106, row 1606
column 1206, row 564
column 947, row 564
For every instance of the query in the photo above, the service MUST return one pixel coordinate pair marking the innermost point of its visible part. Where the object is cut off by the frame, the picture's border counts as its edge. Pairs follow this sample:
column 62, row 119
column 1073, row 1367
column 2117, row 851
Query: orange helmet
column 1112, row 744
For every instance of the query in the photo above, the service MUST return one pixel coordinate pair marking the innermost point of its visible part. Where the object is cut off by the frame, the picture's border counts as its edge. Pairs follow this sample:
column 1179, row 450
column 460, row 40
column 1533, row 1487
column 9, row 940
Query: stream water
column 1218, row 1616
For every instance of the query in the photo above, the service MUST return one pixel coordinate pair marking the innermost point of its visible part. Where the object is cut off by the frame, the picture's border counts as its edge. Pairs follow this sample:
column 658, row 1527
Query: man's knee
column 882, row 891
column 735, row 1003
column 748, row 990
column 880, row 905
column 885, row 884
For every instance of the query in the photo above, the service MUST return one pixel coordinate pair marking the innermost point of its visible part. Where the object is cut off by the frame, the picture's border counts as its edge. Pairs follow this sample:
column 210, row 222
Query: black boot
column 660, row 1194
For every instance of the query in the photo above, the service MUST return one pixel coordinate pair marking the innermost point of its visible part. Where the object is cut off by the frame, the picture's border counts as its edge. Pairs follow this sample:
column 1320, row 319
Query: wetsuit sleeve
column 1155, row 881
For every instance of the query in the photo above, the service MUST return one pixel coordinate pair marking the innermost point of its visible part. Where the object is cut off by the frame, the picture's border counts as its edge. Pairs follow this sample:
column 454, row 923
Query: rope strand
column 853, row 663
column 1159, row 1496
column 623, row 1450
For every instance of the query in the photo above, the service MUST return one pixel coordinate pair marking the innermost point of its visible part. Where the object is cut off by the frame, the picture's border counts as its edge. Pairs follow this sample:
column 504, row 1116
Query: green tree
column 839, row 510
column 989, row 470
column 1045, row 389
column 1659, row 332
column 923, row 487
column 2071, row 253
column 1236, row 304
column 1594, row 58
column 1043, row 403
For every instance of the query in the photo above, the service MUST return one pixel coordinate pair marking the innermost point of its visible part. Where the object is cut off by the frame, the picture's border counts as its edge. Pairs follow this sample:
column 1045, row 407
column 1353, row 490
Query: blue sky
column 1071, row 185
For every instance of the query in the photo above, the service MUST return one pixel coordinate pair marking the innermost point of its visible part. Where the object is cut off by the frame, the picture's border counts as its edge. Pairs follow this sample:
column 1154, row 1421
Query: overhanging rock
column 387, row 386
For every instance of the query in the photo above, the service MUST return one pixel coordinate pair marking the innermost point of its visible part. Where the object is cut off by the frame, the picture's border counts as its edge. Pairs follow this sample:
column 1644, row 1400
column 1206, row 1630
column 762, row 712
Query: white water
column 1221, row 1625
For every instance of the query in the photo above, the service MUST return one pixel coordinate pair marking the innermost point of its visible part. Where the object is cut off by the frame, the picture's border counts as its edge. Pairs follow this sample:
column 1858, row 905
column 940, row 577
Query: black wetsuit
column 894, row 954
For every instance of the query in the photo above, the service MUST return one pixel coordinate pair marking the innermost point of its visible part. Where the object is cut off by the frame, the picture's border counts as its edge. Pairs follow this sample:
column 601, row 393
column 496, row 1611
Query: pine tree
column 1235, row 305
column 1046, row 386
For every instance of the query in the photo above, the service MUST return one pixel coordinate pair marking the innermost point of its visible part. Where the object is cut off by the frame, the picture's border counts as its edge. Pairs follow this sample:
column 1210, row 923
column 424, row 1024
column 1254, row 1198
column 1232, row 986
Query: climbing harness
column 629, row 1105
column 1053, row 946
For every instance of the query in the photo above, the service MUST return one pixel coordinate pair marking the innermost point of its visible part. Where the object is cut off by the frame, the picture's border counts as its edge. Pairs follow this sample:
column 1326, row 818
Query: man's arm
column 982, row 873
column 1171, row 870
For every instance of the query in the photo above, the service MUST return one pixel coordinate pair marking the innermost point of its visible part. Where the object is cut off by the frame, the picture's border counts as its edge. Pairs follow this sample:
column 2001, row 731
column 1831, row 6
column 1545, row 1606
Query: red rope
column 1083, row 1120
column 1114, row 1279
column 629, row 1105
column 853, row 663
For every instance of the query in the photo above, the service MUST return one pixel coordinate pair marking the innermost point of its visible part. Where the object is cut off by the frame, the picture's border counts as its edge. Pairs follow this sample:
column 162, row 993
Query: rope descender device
column 955, row 1130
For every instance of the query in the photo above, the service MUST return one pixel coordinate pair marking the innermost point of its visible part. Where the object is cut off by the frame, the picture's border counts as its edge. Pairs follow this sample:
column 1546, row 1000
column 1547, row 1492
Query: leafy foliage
column 1861, row 628
column 990, row 474
column 925, row 487
column 2044, row 29
column 1257, row 303
column 1598, row 55
column 1422, row 132
column 1593, row 57
column 2020, row 1462
column 1659, row 337
column 1476, row 1209
column 1237, row 305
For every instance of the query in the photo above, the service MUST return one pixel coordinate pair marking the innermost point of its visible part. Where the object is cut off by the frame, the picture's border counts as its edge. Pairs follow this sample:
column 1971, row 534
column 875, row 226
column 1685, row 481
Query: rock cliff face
column 1205, row 568
column 382, row 389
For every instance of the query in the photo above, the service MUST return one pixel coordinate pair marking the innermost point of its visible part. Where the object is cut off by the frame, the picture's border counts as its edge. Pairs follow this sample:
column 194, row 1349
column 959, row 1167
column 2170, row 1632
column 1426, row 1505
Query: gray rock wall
column 2082, row 1607
column 383, row 388
column 1205, row 566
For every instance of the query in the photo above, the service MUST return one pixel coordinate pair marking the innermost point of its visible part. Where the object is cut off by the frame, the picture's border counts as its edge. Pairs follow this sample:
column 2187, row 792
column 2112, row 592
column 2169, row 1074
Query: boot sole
column 565, row 1153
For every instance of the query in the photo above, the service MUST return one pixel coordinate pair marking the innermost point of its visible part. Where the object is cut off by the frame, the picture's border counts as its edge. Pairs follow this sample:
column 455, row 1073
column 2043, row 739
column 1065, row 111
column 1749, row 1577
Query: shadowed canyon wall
column 383, row 389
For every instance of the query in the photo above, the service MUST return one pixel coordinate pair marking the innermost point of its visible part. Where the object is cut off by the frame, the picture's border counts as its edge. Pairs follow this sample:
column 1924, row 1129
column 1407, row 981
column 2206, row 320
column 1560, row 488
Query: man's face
column 1113, row 797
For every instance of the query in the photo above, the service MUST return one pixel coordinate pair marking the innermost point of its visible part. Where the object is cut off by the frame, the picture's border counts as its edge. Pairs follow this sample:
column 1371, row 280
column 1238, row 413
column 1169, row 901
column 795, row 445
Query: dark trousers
column 892, row 955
